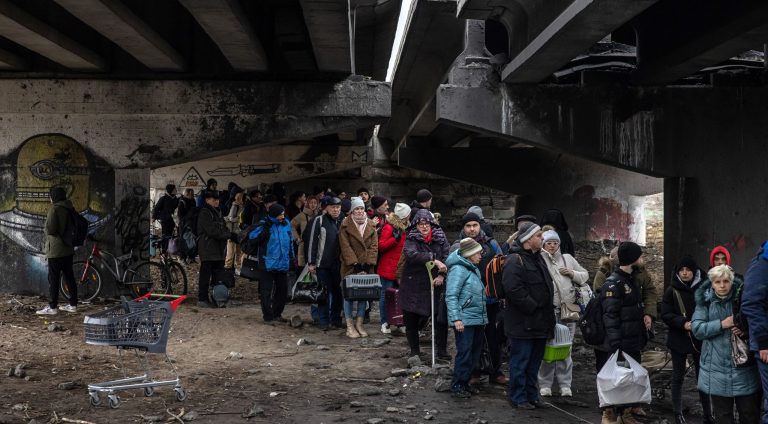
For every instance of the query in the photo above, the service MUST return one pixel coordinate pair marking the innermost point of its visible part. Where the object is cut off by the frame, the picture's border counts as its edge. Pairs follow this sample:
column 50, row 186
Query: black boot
column 706, row 407
column 679, row 419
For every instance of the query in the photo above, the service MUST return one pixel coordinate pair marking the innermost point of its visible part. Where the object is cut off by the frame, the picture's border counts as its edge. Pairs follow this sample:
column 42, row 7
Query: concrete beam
column 555, row 38
column 225, row 22
column 329, row 28
column 696, row 35
column 11, row 62
column 115, row 21
column 26, row 30
column 375, row 27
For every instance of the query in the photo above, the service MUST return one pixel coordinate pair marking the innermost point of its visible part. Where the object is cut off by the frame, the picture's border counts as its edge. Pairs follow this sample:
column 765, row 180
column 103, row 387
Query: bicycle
column 178, row 277
column 138, row 279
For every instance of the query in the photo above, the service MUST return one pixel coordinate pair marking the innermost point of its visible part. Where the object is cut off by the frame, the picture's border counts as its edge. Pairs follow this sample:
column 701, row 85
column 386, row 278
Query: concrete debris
column 255, row 410
column 365, row 391
column 394, row 392
column 375, row 421
column 296, row 321
column 55, row 327
column 400, row 372
column 322, row 347
column 235, row 355
column 190, row 416
column 380, row 342
column 304, row 341
column 392, row 409
column 390, row 380
column 68, row 385
column 414, row 361
column 19, row 371
column 429, row 417
column 357, row 404
column 152, row 418
column 442, row 385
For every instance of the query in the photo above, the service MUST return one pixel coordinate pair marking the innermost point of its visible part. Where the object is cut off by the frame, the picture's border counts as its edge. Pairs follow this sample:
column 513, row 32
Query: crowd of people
column 716, row 316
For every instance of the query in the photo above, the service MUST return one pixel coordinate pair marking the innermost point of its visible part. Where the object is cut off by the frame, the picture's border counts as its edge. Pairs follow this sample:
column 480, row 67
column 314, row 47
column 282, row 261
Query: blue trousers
column 385, row 284
column 763, row 367
column 469, row 344
column 525, row 357
column 330, row 311
column 361, row 305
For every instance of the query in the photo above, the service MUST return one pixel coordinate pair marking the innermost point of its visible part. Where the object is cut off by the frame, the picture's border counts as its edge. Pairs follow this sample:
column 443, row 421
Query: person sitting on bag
column 275, row 240
column 321, row 245
column 713, row 323
column 465, row 299
column 212, row 243
column 566, row 275
column 677, row 308
column 623, row 319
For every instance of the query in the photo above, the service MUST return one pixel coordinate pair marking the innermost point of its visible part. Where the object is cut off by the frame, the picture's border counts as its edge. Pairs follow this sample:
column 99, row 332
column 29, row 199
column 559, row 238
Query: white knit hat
column 357, row 202
column 402, row 210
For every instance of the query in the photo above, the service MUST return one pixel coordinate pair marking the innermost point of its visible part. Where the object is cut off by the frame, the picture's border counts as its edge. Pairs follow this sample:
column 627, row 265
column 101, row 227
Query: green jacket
column 464, row 292
column 641, row 277
column 213, row 232
column 55, row 223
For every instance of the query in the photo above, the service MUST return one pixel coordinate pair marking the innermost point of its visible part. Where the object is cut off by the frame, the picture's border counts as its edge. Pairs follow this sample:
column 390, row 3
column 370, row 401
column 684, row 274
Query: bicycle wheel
column 178, row 278
column 88, row 282
column 146, row 276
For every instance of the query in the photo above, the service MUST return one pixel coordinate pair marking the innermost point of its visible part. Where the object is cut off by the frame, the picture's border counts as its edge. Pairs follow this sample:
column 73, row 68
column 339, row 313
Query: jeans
column 763, row 367
column 678, row 377
column 206, row 277
column 747, row 406
column 330, row 311
column 273, row 291
column 57, row 267
column 560, row 371
column 385, row 284
column 525, row 357
column 469, row 344
column 361, row 305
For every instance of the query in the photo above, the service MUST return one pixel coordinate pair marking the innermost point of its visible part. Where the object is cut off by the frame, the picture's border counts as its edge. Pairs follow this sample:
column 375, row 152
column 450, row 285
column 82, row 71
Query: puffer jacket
column 622, row 314
column 490, row 247
column 414, row 281
column 639, row 273
column 464, row 292
column 213, row 232
column 55, row 223
column 391, row 244
column 717, row 375
column 362, row 251
column 563, row 284
column 276, row 244
column 321, row 242
column 678, row 338
column 754, row 305
column 528, row 289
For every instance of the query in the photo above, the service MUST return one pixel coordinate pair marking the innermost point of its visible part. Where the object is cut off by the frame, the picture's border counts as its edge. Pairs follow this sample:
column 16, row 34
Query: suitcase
column 392, row 304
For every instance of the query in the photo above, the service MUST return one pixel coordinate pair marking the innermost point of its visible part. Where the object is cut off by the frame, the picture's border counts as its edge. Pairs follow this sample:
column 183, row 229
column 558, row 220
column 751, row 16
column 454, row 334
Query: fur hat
column 356, row 202
column 526, row 231
column 423, row 195
column 468, row 247
column 377, row 201
column 551, row 235
column 629, row 253
column 402, row 210
column 276, row 210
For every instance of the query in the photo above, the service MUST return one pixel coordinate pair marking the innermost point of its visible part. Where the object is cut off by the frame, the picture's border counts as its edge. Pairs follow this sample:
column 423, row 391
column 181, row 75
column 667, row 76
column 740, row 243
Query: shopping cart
column 141, row 324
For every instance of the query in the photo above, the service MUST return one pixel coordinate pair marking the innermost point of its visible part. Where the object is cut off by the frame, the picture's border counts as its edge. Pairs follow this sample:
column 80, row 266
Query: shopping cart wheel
column 148, row 391
column 114, row 401
column 180, row 394
column 95, row 400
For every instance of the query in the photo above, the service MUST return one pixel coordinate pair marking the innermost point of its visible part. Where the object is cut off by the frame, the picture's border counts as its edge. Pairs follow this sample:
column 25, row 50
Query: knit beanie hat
column 276, row 210
column 58, row 194
column 377, row 201
column 551, row 235
column 687, row 262
column 356, row 202
column 346, row 206
column 477, row 210
column 423, row 195
column 402, row 210
column 629, row 252
column 362, row 190
column 468, row 247
column 526, row 231
column 470, row 217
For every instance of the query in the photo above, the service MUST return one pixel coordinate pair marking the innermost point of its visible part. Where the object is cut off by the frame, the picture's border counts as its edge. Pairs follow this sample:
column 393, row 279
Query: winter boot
column 628, row 418
column 359, row 327
column 609, row 417
column 351, row 332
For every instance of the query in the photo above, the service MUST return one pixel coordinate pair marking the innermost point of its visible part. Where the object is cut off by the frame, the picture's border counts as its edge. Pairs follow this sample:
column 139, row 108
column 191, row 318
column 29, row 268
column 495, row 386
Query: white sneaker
column 47, row 311
column 385, row 328
column 566, row 392
column 68, row 308
column 545, row 392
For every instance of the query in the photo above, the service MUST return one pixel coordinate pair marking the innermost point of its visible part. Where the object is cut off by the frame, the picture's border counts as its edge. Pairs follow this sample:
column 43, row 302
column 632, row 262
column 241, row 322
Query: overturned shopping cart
column 142, row 325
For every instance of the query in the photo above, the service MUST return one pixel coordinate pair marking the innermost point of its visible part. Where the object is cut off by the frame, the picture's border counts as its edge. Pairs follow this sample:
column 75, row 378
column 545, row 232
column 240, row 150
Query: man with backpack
column 164, row 210
column 213, row 233
column 59, row 253
column 472, row 228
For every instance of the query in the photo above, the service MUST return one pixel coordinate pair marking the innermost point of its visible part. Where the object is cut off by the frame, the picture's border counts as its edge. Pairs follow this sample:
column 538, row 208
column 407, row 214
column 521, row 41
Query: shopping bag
column 618, row 385
column 173, row 246
column 306, row 288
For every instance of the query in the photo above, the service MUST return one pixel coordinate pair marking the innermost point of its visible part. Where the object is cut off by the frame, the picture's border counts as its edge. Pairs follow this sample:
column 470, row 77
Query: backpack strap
column 680, row 303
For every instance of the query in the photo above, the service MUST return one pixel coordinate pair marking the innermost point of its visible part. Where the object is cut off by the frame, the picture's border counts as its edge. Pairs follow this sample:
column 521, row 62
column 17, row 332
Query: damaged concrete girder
column 152, row 123
column 546, row 35
column 614, row 125
column 375, row 27
column 225, row 22
column 696, row 35
column 10, row 61
column 24, row 29
column 329, row 28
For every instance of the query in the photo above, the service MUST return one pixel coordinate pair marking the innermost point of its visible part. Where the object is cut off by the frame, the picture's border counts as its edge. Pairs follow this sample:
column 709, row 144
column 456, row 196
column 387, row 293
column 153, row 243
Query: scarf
column 360, row 223
column 428, row 237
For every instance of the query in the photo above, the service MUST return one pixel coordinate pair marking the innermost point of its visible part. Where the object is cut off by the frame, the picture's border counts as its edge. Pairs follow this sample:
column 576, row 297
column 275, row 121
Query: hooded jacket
column 564, row 285
column 391, row 243
column 639, row 274
column 622, row 313
column 678, row 338
column 529, row 291
column 55, row 223
column 717, row 374
column 165, row 207
column 555, row 218
column 356, row 249
column 414, row 282
column 754, row 305
column 276, row 254
column 464, row 292
column 490, row 249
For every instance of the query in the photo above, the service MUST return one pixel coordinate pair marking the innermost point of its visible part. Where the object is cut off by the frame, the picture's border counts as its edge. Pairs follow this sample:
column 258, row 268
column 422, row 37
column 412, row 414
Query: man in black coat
column 164, row 210
column 321, row 241
column 529, row 318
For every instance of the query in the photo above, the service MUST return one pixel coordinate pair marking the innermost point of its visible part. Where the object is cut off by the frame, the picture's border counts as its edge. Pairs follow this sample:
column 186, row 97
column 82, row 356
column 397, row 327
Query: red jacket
column 390, row 248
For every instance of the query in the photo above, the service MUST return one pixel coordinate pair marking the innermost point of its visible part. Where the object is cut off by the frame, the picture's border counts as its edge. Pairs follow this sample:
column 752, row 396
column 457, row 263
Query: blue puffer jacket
column 717, row 375
column 278, row 253
column 465, row 292
column 754, row 303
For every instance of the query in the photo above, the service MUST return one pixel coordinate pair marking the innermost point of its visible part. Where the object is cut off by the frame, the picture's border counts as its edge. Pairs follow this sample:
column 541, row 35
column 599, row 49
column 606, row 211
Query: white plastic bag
column 617, row 385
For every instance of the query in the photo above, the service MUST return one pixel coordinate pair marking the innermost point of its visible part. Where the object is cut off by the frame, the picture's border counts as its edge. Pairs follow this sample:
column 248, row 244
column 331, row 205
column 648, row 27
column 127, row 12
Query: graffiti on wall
column 245, row 170
column 39, row 164
column 191, row 179
column 132, row 222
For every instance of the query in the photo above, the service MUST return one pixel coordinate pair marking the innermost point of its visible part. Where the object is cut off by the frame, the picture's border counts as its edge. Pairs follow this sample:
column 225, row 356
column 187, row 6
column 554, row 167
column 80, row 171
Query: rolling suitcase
column 392, row 304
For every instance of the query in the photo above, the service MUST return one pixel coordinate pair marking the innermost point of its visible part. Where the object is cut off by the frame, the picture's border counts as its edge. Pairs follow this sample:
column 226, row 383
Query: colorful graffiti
column 132, row 222
column 245, row 170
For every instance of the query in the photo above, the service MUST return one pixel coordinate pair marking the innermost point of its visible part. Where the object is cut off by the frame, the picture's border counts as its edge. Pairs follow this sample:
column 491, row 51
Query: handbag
column 307, row 289
column 250, row 268
column 740, row 353
column 173, row 246
column 569, row 312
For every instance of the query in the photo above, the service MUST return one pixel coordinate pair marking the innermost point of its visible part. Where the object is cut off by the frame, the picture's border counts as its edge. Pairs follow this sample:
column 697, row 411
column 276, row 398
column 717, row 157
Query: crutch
column 430, row 265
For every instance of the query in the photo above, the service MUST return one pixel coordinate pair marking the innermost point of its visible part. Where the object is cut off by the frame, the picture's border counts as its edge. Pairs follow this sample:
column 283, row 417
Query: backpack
column 591, row 322
column 76, row 229
column 192, row 217
column 494, row 272
column 251, row 246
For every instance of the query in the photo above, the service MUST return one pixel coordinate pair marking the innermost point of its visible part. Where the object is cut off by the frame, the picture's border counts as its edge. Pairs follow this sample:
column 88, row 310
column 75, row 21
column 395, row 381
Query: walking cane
column 430, row 265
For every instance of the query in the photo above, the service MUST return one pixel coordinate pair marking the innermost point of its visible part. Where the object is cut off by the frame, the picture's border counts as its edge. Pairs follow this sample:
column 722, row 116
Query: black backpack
column 251, row 246
column 76, row 229
column 591, row 323
column 192, row 217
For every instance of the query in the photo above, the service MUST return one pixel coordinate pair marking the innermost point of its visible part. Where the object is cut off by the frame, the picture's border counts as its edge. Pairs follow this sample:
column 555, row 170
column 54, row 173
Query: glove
column 357, row 268
column 233, row 237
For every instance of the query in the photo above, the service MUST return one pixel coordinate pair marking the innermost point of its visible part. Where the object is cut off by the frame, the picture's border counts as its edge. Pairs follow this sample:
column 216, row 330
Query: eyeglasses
column 423, row 224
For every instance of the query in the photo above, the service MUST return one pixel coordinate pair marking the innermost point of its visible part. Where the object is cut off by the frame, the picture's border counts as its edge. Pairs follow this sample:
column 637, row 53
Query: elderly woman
column 425, row 242
column 566, row 275
column 465, row 298
column 713, row 324
column 359, row 245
